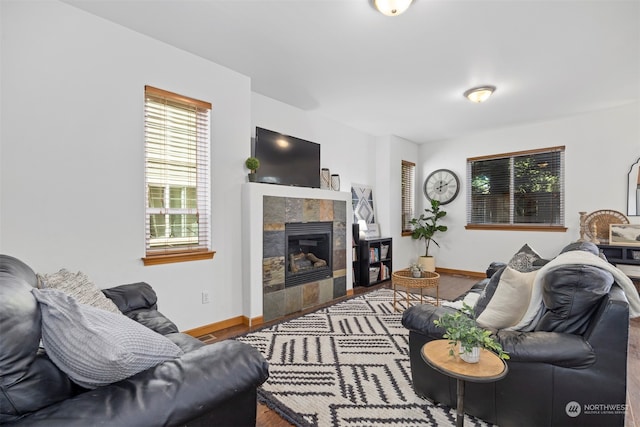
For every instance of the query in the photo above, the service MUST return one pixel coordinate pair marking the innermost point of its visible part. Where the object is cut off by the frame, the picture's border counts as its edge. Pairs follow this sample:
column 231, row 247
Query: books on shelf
column 384, row 272
column 374, row 255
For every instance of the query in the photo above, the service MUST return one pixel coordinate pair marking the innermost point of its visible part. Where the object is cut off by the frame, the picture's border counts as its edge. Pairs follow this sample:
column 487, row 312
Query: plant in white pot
column 465, row 337
column 425, row 227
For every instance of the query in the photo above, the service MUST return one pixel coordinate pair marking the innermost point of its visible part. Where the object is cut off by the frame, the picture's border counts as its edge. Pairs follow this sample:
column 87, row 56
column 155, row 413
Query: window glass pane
column 490, row 193
column 182, row 197
column 536, row 188
column 158, row 226
column 156, row 197
column 184, row 226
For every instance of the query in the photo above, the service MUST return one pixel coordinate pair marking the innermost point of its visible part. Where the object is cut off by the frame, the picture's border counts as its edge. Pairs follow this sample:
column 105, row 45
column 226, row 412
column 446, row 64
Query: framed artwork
column 362, row 200
column 624, row 234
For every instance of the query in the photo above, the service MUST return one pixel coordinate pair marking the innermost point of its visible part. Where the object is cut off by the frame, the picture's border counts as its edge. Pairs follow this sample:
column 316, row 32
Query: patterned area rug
column 346, row 365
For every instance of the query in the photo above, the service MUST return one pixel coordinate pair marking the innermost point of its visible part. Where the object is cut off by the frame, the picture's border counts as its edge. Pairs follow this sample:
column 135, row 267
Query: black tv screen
column 286, row 160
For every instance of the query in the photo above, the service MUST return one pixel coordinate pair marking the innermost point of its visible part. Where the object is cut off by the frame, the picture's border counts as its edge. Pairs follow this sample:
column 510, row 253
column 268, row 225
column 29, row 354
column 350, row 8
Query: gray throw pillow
column 523, row 261
column 78, row 286
column 95, row 347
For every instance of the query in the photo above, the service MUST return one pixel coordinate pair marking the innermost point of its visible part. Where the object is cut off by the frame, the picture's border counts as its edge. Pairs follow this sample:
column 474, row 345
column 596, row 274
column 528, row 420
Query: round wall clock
column 442, row 185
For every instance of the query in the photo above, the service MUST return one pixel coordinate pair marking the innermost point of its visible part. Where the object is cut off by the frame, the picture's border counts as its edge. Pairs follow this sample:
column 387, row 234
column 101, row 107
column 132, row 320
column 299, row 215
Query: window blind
column 523, row 188
column 408, row 191
column 176, row 173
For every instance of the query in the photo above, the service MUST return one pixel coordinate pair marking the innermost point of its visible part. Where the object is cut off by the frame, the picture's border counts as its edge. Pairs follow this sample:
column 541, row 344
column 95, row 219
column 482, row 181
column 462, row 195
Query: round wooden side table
column 489, row 368
column 404, row 279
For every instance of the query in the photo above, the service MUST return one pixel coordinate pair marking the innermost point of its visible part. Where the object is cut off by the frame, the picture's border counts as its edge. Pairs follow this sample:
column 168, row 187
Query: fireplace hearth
column 309, row 250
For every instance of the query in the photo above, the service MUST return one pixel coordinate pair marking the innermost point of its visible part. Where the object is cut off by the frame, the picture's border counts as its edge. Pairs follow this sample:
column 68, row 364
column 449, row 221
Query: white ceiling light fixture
column 392, row 7
column 479, row 94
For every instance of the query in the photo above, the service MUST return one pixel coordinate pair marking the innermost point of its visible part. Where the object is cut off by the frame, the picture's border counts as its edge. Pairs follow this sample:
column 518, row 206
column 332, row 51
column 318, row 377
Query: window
column 523, row 190
column 176, row 133
column 408, row 190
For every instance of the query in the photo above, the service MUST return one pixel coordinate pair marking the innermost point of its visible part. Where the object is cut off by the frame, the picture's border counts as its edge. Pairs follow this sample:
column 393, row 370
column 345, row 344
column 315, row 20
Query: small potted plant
column 425, row 227
column 466, row 337
column 416, row 270
column 252, row 163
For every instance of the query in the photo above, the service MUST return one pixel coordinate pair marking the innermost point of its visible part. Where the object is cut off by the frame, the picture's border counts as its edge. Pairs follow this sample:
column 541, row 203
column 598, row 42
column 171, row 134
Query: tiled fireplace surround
column 266, row 210
column 277, row 211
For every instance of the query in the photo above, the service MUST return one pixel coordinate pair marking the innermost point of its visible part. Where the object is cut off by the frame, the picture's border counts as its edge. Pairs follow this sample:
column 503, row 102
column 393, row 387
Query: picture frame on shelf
column 372, row 231
column 624, row 234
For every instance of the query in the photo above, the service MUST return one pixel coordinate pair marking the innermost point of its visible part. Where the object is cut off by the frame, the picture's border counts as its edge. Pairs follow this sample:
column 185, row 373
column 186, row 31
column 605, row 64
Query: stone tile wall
column 278, row 301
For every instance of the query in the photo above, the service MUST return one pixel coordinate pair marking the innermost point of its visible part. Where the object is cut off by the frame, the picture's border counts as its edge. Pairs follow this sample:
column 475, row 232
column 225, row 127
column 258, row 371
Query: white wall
column 391, row 151
column 600, row 148
column 72, row 154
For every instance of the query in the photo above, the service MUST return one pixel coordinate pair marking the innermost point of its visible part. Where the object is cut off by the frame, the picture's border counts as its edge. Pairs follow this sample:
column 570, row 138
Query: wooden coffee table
column 404, row 278
column 489, row 368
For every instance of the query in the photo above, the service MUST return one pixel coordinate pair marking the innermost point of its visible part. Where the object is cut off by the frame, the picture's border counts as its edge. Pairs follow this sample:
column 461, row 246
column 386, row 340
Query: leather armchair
column 549, row 371
column 208, row 385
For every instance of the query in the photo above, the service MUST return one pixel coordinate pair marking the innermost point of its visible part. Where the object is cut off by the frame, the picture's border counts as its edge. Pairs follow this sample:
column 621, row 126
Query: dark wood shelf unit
column 374, row 267
column 617, row 254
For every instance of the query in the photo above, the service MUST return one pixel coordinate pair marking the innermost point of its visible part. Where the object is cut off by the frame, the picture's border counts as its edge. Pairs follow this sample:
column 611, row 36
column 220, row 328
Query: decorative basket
column 384, row 251
column 373, row 274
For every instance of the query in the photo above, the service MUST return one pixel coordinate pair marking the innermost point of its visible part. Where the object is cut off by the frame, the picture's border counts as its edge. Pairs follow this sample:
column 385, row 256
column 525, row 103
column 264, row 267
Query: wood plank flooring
column 456, row 285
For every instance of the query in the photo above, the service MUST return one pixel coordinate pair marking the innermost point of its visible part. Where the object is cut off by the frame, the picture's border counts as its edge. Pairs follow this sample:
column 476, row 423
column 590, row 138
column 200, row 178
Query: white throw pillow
column 95, row 347
column 510, row 300
column 78, row 286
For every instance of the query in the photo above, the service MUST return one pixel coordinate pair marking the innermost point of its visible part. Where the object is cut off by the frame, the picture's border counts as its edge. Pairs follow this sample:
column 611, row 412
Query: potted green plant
column 466, row 337
column 252, row 163
column 425, row 227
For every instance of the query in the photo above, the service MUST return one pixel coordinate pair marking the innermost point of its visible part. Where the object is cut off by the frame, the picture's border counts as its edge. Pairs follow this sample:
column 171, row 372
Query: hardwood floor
column 269, row 418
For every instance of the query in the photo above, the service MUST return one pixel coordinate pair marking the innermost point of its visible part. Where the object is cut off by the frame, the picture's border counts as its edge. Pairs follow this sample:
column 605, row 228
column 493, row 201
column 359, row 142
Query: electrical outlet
column 205, row 297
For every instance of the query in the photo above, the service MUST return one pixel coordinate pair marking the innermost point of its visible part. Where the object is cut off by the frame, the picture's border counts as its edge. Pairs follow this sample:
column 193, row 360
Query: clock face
column 442, row 185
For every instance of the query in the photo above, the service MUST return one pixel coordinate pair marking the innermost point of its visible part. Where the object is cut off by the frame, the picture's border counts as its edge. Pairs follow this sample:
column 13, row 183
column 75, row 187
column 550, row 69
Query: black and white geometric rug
column 346, row 365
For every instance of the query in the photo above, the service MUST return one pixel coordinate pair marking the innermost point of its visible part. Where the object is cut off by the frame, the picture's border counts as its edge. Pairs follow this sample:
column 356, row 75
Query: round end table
column 489, row 368
column 405, row 279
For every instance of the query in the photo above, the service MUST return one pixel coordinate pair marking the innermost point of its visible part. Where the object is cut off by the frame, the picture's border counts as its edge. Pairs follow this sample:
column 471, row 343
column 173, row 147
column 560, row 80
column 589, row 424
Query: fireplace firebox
column 309, row 250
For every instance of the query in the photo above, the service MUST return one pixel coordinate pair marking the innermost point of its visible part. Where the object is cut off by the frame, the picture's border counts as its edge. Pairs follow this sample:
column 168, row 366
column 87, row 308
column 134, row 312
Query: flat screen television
column 286, row 160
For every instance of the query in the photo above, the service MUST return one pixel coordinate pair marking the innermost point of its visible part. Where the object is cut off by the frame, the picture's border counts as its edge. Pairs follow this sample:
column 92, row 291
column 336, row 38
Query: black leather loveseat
column 207, row 385
column 569, row 368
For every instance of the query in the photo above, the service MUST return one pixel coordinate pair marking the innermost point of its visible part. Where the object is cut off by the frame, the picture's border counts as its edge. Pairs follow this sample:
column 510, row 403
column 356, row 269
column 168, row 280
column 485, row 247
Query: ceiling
column 405, row 75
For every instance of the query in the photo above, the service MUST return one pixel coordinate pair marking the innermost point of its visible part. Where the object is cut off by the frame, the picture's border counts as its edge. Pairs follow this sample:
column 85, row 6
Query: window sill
column 517, row 227
column 407, row 233
column 169, row 258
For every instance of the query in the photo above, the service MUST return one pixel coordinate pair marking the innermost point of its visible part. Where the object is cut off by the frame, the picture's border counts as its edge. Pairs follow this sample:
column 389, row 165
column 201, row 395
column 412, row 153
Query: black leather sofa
column 208, row 385
column 573, row 378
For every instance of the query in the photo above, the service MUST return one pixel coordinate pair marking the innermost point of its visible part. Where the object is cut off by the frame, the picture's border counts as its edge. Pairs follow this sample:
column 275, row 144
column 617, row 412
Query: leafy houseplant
column 461, row 329
column 252, row 163
column 426, row 226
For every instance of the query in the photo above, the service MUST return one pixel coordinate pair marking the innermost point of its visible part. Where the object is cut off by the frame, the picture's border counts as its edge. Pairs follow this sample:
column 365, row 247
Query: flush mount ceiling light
column 392, row 7
column 479, row 94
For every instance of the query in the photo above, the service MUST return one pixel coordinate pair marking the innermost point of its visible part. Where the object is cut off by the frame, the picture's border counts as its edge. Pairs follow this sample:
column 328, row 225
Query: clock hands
column 442, row 185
